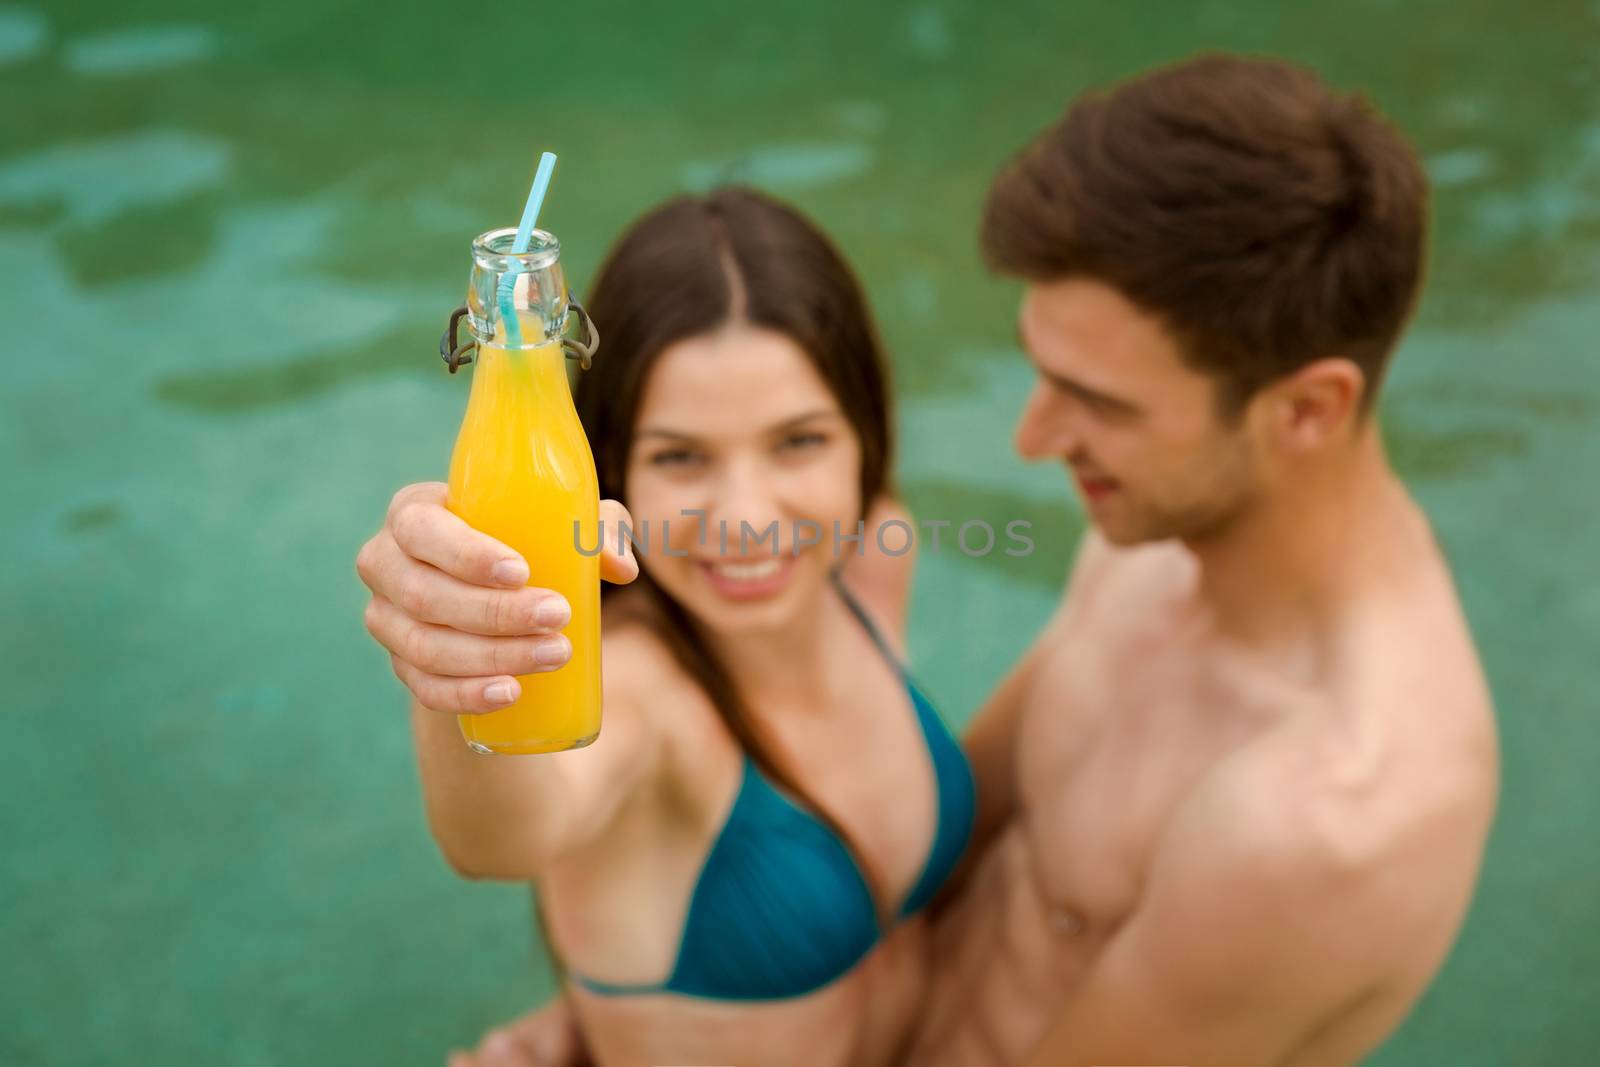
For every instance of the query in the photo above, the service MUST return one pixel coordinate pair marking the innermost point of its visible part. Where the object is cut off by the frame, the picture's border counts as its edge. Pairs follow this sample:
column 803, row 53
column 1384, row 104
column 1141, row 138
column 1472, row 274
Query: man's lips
column 1094, row 487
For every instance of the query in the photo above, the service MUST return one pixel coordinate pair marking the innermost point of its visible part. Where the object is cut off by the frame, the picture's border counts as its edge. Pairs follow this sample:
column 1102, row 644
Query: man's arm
column 991, row 746
column 1255, row 932
column 991, row 737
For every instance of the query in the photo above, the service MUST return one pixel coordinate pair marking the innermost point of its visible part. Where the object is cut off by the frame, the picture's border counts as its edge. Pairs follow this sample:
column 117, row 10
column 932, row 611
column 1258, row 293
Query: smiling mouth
column 1094, row 488
column 748, row 579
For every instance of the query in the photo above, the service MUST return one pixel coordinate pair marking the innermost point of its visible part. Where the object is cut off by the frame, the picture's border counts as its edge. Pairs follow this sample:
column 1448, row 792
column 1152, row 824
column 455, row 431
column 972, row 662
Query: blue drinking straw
column 530, row 215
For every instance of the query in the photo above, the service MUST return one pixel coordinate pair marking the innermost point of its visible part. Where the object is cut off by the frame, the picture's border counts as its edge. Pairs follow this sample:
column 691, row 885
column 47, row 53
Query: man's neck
column 1314, row 542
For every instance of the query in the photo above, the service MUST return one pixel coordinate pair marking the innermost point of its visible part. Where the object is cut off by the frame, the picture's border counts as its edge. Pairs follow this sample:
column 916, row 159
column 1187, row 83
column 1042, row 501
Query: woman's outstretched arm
column 451, row 606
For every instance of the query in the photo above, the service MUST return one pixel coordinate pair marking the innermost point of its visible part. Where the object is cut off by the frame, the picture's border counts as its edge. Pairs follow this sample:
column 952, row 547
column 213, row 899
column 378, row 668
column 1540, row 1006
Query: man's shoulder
column 1301, row 812
column 1270, row 810
column 1265, row 882
column 1410, row 654
column 1125, row 577
column 1282, row 862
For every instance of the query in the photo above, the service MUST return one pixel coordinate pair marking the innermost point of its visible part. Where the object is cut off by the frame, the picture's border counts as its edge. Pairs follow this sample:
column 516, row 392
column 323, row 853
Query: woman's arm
column 545, row 1037
column 450, row 605
column 507, row 817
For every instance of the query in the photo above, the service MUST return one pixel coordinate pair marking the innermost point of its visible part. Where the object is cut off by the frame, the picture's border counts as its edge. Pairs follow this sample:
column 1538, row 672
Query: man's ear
column 1314, row 405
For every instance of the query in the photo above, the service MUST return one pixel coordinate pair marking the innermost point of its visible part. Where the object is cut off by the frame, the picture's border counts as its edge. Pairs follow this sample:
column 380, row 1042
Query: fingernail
column 554, row 652
column 499, row 692
column 511, row 571
column 552, row 612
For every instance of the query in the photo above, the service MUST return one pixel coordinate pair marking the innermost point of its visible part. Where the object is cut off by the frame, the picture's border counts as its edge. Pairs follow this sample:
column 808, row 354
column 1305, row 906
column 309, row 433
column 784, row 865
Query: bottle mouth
column 492, row 251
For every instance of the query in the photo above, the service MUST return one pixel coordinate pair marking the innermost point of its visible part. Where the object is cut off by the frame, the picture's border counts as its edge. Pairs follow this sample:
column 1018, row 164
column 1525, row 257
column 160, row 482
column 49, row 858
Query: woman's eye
column 798, row 441
column 674, row 457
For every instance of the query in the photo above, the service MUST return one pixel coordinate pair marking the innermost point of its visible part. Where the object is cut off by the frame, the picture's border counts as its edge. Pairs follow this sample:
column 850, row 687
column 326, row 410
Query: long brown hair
column 686, row 268
column 1267, row 220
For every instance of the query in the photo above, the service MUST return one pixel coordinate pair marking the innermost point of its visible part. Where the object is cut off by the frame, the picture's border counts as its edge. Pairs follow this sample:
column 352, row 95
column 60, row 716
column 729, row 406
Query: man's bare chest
column 1117, row 733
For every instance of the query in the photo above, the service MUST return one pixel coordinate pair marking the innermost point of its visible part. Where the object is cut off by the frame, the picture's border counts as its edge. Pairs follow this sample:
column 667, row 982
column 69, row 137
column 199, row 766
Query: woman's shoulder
column 879, row 575
column 644, row 680
column 634, row 657
column 641, row 674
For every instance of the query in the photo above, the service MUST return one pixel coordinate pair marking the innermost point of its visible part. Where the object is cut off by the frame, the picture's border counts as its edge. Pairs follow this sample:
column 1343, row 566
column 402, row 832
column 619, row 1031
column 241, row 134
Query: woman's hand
column 547, row 1037
column 453, row 608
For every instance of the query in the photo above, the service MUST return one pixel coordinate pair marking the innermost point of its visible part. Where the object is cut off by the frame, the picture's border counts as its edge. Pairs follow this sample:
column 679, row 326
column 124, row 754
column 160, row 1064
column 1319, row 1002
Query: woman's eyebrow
column 777, row 427
column 663, row 431
column 806, row 416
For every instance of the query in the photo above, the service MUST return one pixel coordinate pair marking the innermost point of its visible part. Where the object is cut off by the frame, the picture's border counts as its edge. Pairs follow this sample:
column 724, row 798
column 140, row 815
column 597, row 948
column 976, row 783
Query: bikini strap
column 866, row 622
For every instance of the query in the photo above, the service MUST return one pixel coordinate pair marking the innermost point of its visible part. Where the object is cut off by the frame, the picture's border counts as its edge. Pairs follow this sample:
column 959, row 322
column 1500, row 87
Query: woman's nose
column 746, row 499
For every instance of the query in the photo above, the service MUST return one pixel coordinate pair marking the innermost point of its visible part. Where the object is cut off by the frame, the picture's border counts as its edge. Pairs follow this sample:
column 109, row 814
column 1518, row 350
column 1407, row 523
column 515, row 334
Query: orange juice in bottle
column 522, row 473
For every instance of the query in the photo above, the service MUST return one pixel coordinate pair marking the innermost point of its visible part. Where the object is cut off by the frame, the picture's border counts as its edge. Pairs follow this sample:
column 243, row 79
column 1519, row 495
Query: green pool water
column 228, row 240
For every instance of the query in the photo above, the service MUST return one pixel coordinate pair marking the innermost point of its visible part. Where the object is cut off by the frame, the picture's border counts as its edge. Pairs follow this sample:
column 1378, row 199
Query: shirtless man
column 1254, row 761
column 1235, row 798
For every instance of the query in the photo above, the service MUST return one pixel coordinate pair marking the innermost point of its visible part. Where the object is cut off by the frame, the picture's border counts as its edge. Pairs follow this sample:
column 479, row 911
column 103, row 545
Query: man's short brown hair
column 1266, row 219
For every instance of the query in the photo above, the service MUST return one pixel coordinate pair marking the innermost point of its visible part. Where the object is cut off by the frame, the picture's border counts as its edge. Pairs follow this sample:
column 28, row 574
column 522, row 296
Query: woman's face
column 737, row 429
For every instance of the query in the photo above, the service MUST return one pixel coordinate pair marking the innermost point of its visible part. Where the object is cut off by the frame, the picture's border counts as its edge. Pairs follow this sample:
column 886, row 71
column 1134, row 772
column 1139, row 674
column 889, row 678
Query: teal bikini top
column 780, row 908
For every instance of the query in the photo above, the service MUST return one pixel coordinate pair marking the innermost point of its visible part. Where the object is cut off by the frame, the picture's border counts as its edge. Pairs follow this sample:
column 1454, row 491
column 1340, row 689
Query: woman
column 735, row 871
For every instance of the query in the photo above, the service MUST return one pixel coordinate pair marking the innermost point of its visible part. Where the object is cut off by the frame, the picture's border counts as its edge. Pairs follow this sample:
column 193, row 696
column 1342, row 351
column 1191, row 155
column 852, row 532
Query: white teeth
column 746, row 572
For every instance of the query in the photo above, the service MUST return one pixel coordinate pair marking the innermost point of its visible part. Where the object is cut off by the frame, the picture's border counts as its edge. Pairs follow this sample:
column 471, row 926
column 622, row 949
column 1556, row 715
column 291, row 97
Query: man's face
column 1138, row 429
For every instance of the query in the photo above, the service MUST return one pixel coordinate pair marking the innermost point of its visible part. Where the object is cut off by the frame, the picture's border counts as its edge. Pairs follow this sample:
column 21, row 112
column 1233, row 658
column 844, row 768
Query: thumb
column 617, row 562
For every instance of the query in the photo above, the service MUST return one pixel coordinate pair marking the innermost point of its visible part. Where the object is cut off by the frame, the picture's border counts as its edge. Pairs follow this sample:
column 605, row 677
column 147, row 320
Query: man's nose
column 1048, row 426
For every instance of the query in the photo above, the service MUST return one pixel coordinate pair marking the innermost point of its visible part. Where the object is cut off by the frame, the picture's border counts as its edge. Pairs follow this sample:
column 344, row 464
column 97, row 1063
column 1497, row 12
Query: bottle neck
column 519, row 381
column 517, row 310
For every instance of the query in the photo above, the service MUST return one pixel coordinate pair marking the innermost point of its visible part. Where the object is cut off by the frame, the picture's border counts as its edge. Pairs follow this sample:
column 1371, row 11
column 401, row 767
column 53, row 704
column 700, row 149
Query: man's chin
column 1125, row 532
column 1122, row 537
